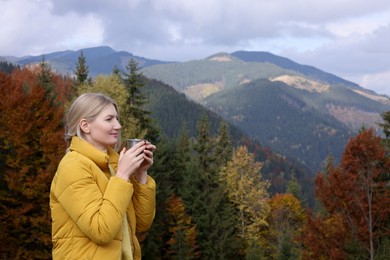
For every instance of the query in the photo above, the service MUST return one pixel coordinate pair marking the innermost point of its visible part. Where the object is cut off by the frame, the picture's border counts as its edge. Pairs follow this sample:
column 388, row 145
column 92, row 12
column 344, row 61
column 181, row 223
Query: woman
column 100, row 199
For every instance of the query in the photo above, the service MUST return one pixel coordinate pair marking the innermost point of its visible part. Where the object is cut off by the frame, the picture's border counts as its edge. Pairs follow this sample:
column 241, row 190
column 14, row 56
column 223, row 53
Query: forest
column 213, row 200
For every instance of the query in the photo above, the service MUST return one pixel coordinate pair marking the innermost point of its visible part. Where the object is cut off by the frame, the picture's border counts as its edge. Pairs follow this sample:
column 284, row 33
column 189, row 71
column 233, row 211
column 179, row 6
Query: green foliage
column 135, row 105
column 81, row 70
column 7, row 67
column 386, row 129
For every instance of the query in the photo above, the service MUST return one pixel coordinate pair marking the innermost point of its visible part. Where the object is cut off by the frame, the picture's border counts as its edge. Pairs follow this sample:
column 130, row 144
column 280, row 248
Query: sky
column 348, row 38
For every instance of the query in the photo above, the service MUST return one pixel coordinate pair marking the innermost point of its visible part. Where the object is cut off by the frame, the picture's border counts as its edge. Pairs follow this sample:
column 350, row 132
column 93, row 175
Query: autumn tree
column 285, row 224
column 248, row 191
column 182, row 231
column 356, row 198
column 31, row 145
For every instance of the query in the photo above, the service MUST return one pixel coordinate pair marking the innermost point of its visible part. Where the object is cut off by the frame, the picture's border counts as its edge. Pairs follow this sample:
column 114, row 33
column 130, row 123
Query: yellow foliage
column 247, row 189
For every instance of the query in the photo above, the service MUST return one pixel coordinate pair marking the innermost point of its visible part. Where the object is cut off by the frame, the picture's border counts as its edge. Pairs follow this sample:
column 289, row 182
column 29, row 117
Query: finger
column 151, row 147
column 122, row 153
column 148, row 153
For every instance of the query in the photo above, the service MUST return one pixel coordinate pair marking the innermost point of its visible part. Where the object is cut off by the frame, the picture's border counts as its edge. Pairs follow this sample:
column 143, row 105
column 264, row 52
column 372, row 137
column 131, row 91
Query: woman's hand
column 142, row 171
column 130, row 160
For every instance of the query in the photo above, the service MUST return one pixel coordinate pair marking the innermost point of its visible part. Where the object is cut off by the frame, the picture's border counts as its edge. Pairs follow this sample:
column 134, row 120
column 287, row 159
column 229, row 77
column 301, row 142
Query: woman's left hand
column 142, row 171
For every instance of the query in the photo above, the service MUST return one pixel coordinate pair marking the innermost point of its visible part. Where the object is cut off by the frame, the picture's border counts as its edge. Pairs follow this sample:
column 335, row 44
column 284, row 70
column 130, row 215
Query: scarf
column 127, row 253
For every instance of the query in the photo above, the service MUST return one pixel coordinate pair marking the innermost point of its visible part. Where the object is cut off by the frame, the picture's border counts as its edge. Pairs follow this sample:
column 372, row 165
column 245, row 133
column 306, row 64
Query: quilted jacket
column 88, row 205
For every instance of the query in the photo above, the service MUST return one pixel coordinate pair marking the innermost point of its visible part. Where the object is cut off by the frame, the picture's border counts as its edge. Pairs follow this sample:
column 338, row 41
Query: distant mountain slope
column 296, row 110
column 260, row 56
column 275, row 115
column 100, row 60
column 301, row 102
column 221, row 70
column 172, row 110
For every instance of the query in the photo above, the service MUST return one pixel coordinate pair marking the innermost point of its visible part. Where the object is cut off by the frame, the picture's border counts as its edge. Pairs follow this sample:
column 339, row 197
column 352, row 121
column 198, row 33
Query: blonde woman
column 100, row 199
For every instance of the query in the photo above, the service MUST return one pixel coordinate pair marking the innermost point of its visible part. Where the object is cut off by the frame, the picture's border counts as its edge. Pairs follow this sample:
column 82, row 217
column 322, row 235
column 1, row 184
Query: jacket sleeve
column 99, row 216
column 144, row 200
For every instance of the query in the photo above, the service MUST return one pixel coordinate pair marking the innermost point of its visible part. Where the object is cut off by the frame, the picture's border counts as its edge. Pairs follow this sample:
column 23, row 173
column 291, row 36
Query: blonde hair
column 87, row 106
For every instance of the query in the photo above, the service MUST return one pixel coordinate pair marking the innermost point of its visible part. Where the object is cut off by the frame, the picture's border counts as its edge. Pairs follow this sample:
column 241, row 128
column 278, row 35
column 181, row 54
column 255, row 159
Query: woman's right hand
column 130, row 160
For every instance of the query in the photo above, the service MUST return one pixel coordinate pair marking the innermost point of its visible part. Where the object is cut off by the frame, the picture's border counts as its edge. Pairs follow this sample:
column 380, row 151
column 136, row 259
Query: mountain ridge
column 336, row 108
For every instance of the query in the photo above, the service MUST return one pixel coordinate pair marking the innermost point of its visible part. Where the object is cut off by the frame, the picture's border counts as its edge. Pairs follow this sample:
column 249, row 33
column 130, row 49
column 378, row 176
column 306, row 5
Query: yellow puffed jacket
column 88, row 205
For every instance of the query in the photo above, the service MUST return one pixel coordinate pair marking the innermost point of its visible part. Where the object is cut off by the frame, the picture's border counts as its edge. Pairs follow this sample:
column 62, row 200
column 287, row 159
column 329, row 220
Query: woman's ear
column 84, row 126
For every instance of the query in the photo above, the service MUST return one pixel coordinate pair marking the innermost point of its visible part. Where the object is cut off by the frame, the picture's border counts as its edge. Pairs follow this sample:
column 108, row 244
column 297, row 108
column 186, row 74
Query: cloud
column 30, row 27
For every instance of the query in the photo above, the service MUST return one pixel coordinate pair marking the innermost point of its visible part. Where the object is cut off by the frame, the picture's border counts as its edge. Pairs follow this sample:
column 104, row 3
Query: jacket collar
column 99, row 157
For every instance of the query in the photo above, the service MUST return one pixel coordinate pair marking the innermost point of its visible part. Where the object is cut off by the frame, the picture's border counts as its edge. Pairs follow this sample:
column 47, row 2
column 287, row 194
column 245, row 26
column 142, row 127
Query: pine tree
column 81, row 70
column 8, row 67
column 223, row 145
column 45, row 73
column 134, row 83
column 386, row 129
column 206, row 200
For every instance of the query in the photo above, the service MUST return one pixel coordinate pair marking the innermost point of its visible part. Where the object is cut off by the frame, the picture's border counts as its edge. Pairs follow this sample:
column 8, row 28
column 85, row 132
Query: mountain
column 298, row 111
column 310, row 71
column 100, row 60
column 173, row 110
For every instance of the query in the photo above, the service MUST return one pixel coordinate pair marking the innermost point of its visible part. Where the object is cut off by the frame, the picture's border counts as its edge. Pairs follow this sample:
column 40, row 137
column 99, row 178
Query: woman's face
column 104, row 130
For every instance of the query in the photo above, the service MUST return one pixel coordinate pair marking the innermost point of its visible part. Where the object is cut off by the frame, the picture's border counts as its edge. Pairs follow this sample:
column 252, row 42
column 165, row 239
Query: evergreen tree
column 45, row 73
column 223, row 145
column 116, row 71
column 155, row 243
column 134, row 82
column 7, row 67
column 81, row 70
column 207, row 202
column 386, row 129
column 294, row 188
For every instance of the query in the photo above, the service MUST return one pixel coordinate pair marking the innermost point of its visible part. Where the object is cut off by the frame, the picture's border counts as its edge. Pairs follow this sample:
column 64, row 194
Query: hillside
column 298, row 111
column 172, row 110
column 100, row 60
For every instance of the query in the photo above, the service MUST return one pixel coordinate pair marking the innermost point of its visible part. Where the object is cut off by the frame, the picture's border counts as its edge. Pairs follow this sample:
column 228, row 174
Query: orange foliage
column 31, row 145
column 356, row 194
column 182, row 241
